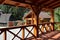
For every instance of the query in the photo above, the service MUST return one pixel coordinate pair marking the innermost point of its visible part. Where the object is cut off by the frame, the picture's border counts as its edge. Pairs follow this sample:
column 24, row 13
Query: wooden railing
column 21, row 29
column 46, row 27
column 31, row 29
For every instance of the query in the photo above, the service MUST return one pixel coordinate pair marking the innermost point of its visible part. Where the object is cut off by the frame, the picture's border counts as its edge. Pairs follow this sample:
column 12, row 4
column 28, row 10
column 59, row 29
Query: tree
column 57, row 17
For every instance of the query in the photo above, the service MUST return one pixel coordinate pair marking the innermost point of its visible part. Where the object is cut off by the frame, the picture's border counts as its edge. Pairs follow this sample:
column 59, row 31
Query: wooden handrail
column 23, row 26
column 14, row 27
column 49, row 23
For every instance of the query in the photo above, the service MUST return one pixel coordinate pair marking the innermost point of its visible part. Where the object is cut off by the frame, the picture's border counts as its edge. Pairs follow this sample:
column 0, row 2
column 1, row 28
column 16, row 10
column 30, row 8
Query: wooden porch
column 43, row 31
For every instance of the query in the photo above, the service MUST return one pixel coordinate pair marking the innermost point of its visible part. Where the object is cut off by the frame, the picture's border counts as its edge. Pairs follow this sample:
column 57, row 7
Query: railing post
column 36, row 9
column 52, row 19
column 35, row 31
column 23, row 33
column 5, row 37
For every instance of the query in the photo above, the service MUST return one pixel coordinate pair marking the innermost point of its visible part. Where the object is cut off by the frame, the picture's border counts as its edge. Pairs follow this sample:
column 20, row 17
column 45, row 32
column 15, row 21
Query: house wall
column 30, row 19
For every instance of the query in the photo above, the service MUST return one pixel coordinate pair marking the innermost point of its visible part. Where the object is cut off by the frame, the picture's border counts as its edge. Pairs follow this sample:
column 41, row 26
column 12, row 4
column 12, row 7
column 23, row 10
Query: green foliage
column 57, row 17
column 17, row 12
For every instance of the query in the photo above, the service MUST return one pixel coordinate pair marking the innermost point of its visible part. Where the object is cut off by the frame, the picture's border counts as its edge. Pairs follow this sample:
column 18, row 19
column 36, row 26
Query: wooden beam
column 42, row 1
column 5, row 1
column 48, row 2
column 57, row 5
column 25, row 2
column 57, row 2
column 16, row 4
column 1, row 1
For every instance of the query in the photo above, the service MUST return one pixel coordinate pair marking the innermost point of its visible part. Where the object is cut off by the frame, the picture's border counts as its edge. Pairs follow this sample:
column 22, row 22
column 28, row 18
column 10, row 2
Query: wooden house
column 30, row 18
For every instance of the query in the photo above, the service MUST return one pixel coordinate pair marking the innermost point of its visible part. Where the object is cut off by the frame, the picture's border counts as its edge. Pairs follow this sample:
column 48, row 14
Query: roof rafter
column 1, row 1
column 47, row 2
column 57, row 2
column 56, row 5
column 16, row 4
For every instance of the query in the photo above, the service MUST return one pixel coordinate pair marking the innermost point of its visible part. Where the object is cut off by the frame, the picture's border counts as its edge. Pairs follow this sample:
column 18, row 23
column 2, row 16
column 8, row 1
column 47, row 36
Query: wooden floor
column 54, row 35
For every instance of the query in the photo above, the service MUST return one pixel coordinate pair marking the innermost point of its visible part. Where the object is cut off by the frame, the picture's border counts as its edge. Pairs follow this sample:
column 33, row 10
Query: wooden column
column 33, row 22
column 52, row 19
column 36, row 10
column 35, row 29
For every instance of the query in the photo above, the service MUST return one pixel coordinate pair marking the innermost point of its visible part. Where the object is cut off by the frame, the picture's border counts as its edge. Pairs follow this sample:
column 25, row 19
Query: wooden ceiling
column 25, row 3
column 42, row 3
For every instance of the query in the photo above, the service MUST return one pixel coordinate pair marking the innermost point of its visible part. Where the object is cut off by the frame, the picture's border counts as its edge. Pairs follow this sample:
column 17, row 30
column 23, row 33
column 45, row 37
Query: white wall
column 4, row 18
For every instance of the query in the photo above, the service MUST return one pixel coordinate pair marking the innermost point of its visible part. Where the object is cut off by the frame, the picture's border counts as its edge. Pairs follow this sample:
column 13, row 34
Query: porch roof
column 25, row 3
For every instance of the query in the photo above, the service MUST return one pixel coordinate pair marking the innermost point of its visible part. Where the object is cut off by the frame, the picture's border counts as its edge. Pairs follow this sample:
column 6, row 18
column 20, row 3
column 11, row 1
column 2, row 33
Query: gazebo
column 36, row 6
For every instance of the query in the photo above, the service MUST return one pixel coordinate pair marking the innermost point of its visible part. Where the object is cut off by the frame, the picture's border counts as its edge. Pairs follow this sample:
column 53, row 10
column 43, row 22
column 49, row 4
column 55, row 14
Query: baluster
column 47, row 27
column 35, row 31
column 40, row 32
column 42, row 28
column 5, row 36
column 51, row 26
column 23, row 32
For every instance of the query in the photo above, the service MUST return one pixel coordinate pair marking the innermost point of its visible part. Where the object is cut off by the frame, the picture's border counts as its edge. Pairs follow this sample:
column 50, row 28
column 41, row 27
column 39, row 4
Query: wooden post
column 34, row 18
column 33, row 22
column 37, row 20
column 35, row 31
column 23, row 33
column 52, row 19
column 36, row 10
column 5, row 36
